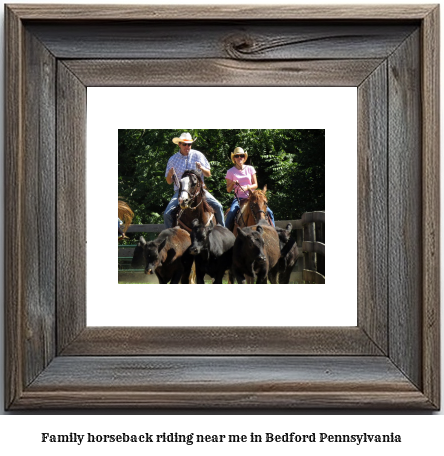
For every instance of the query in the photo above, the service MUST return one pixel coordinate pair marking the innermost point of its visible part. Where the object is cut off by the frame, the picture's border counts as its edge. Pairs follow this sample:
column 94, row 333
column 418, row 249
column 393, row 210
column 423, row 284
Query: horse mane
column 245, row 212
column 257, row 194
column 206, row 206
column 192, row 171
column 125, row 214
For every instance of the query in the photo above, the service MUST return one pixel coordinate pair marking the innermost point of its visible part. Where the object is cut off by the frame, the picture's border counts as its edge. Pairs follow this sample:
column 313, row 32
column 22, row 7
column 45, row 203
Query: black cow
column 168, row 256
column 212, row 247
column 256, row 254
column 138, row 260
column 289, row 253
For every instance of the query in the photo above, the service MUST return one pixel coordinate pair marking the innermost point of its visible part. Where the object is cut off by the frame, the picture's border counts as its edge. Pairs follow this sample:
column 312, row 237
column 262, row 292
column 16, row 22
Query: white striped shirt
column 181, row 163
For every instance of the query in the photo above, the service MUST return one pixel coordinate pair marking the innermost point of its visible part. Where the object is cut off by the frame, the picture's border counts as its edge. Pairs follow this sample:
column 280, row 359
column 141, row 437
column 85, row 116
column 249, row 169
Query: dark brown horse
column 192, row 202
column 252, row 209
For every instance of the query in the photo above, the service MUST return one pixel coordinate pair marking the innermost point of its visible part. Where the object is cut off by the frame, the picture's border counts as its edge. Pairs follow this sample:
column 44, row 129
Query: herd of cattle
column 259, row 253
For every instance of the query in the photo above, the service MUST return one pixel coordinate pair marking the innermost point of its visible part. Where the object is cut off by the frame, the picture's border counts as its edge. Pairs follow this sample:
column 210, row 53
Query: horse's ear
column 265, row 188
column 210, row 226
column 142, row 241
column 259, row 229
column 195, row 222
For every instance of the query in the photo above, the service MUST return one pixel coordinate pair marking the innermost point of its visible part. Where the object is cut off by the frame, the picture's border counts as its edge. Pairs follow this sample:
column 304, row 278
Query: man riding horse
column 188, row 159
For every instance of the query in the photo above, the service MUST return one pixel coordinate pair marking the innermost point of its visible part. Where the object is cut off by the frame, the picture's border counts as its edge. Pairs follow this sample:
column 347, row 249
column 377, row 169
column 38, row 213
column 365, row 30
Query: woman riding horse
column 243, row 179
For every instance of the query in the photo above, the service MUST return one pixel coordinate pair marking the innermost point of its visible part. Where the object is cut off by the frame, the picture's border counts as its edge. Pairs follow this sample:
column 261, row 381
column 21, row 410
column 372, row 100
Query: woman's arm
column 253, row 185
column 230, row 185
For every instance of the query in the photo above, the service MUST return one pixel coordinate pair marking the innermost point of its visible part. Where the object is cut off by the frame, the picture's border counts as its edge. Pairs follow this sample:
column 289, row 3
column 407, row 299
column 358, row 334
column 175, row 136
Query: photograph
column 221, row 206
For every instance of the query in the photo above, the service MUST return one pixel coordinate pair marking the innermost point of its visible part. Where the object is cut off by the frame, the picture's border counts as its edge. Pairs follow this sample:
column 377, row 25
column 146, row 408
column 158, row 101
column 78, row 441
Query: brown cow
column 256, row 254
column 169, row 257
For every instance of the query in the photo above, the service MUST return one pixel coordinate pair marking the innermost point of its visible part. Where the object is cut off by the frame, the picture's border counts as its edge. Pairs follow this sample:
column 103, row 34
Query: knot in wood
column 239, row 45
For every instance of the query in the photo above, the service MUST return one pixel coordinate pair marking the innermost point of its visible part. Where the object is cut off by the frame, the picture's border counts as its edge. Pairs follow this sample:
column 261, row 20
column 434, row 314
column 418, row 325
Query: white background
column 18, row 433
column 331, row 304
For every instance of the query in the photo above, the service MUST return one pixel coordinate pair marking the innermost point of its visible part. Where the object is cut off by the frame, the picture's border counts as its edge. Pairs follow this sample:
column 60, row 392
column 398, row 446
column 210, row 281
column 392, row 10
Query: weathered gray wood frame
column 390, row 360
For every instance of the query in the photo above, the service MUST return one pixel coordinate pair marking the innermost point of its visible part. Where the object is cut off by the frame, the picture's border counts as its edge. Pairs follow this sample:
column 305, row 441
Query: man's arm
column 206, row 172
column 169, row 177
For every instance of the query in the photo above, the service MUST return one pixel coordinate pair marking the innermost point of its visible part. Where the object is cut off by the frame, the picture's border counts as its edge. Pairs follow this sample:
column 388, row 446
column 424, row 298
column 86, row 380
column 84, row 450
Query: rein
column 238, row 202
column 256, row 213
column 185, row 227
column 253, row 213
column 192, row 198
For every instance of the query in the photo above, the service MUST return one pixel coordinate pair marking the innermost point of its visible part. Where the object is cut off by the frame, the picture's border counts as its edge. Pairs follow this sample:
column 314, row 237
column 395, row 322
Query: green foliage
column 290, row 162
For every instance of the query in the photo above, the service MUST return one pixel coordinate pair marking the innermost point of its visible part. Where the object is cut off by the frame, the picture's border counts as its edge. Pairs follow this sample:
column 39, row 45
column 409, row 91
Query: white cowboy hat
column 238, row 151
column 184, row 138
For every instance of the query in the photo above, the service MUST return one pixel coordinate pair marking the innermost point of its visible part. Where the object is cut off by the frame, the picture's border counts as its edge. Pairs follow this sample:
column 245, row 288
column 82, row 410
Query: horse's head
column 258, row 204
column 190, row 187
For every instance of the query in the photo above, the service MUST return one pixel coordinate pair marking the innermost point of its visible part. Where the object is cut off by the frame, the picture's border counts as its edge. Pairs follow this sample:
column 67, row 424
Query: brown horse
column 192, row 202
column 192, row 205
column 125, row 214
column 252, row 209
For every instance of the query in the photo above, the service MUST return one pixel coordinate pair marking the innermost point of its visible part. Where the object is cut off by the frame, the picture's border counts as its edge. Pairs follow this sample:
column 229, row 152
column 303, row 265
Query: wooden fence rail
column 310, row 237
column 313, row 247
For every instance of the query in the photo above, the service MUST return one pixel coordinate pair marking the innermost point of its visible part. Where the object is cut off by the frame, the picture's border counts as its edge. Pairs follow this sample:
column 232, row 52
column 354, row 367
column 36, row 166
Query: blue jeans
column 229, row 221
column 212, row 201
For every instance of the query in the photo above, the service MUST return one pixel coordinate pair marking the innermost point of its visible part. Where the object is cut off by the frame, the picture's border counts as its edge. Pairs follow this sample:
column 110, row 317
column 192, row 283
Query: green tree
column 290, row 162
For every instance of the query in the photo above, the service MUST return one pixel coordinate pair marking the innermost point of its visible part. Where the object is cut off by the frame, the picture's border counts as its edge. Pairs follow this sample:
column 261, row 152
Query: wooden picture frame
column 389, row 360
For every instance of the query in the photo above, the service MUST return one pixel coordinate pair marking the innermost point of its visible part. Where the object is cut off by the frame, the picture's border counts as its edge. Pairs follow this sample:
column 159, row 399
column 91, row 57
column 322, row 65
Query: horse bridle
column 192, row 196
column 254, row 213
column 257, row 212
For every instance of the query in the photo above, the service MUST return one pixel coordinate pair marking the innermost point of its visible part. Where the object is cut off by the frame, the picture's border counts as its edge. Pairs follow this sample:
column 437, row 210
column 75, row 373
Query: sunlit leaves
column 290, row 162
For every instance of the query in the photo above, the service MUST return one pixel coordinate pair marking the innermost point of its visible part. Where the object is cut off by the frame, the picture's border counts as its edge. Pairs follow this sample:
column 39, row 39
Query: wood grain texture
column 219, row 72
column 391, row 366
column 372, row 207
column 220, row 12
column 37, row 230
column 14, row 366
column 405, row 208
column 71, row 206
column 259, row 401
column 431, row 205
column 234, row 382
column 131, row 341
column 244, row 40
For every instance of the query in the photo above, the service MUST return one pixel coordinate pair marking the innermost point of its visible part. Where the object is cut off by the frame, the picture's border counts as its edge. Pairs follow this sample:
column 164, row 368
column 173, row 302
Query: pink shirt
column 244, row 176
